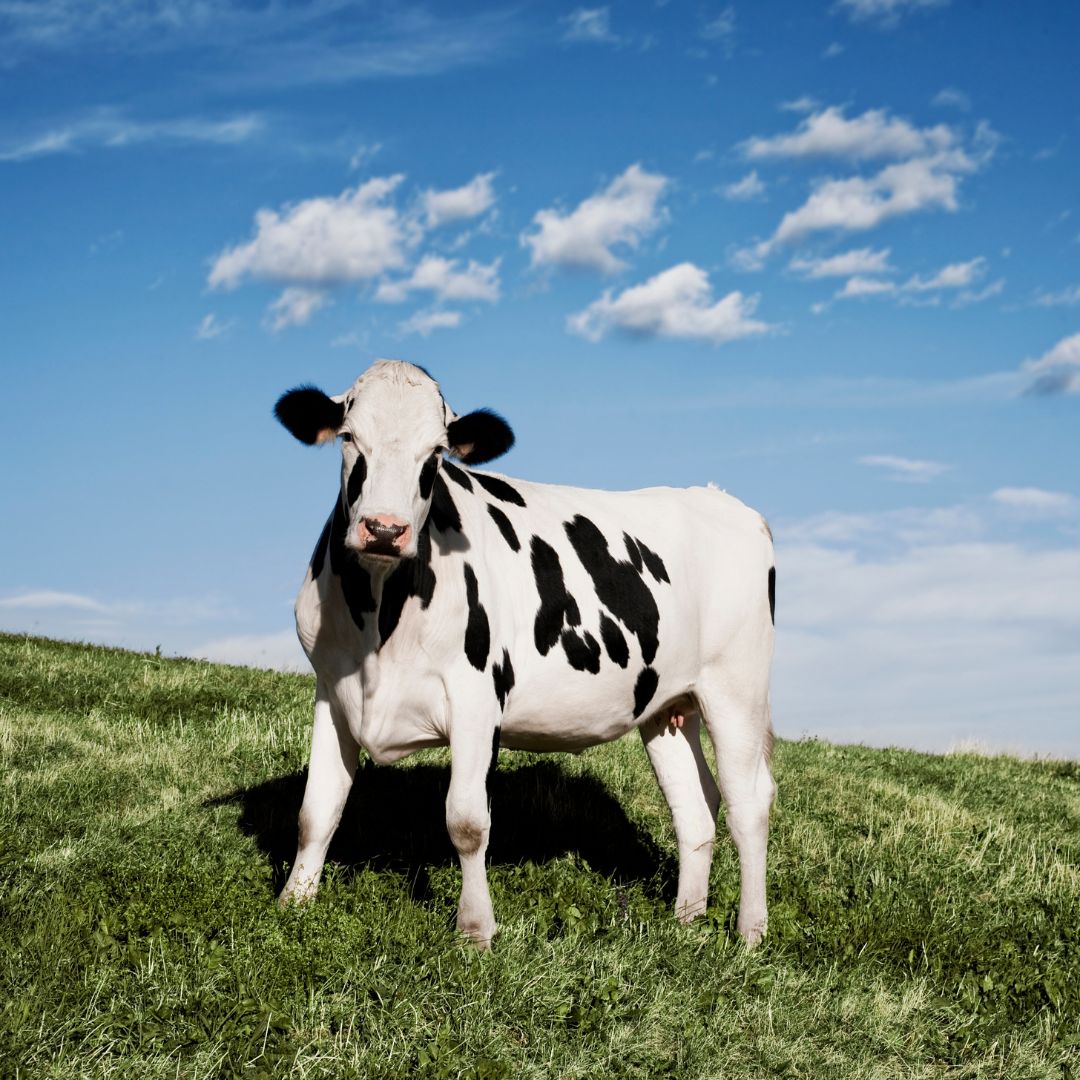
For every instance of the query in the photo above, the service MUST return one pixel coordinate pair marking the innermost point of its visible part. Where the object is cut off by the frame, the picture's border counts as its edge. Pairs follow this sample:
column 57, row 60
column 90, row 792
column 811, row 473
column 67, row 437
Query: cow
column 446, row 606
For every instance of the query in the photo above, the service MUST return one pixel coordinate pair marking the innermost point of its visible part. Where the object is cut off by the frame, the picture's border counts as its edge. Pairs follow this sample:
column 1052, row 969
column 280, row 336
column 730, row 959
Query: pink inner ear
column 326, row 435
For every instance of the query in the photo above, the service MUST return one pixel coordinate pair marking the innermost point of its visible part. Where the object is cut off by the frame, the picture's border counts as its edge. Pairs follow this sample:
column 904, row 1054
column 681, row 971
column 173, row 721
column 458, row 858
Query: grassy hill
column 925, row 911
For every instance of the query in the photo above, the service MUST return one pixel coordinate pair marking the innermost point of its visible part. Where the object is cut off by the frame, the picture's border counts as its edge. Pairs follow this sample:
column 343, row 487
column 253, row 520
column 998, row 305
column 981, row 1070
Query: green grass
column 925, row 911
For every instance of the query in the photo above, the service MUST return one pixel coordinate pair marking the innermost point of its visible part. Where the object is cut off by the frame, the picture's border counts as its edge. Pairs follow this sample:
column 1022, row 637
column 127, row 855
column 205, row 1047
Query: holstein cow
column 445, row 606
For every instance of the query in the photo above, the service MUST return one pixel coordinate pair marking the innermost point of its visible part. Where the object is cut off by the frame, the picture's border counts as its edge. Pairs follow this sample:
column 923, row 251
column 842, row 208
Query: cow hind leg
column 334, row 756
column 739, row 724
column 691, row 793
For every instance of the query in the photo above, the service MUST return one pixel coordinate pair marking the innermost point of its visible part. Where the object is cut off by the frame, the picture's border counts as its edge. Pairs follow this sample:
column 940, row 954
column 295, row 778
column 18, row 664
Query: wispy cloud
column 115, row 129
column 237, row 44
column 294, row 307
column 1067, row 297
column 885, row 14
column 1036, row 502
column 424, row 323
column 589, row 25
column 1056, row 371
column 621, row 215
column 677, row 303
column 48, row 598
column 951, row 98
column 745, row 190
column 906, row 470
column 847, row 263
column 211, row 327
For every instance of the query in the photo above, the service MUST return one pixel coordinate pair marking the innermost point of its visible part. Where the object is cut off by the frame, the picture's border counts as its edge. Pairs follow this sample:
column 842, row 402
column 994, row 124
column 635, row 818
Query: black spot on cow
column 505, row 527
column 503, row 675
column 614, row 641
column 357, row 476
column 309, row 414
column 444, row 514
column 427, row 475
column 582, row 650
column 619, row 586
column 477, row 629
column 654, row 564
column 459, row 476
column 557, row 606
column 772, row 594
column 355, row 580
column 632, row 551
column 411, row 577
column 644, row 689
column 318, row 557
column 502, row 491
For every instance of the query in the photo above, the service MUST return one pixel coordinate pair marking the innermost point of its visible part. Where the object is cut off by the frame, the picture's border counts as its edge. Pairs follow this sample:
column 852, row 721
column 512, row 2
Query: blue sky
column 825, row 255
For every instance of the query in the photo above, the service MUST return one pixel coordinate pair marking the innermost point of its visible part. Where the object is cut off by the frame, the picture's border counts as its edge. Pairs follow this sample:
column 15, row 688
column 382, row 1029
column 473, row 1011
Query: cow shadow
column 395, row 820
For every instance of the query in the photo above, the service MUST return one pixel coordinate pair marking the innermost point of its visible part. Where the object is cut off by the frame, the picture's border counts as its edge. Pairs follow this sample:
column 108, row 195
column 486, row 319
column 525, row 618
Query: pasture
column 925, row 911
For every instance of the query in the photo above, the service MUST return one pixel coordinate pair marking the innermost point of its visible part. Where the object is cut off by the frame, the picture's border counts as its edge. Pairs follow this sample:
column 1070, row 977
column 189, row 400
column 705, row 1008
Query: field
column 925, row 911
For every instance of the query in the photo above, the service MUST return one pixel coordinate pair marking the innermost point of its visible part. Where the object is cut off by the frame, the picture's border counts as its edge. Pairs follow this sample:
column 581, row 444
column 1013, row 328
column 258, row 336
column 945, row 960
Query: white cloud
column 1036, row 502
column 873, row 134
column 588, row 25
column 48, row 599
column 973, row 296
column 904, row 469
column 918, row 627
column 859, row 286
column 858, row 261
column 425, row 322
column 112, row 128
column 951, row 98
column 804, row 104
column 1068, row 297
column 294, row 307
column 441, row 276
column 749, row 187
column 458, row 204
column 954, row 276
column 212, row 327
column 1056, row 371
column 885, row 13
column 353, row 236
column 676, row 303
column 832, row 50
column 621, row 215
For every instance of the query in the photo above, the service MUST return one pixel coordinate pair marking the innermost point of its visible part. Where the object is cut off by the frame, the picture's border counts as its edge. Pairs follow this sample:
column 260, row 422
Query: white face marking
column 397, row 420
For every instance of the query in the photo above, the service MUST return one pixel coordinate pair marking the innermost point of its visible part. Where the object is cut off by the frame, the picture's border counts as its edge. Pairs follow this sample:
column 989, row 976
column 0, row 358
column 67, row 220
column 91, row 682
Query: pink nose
column 382, row 534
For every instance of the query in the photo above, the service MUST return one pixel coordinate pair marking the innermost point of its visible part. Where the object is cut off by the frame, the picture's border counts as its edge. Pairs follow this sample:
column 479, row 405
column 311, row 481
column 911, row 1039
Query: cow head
column 394, row 427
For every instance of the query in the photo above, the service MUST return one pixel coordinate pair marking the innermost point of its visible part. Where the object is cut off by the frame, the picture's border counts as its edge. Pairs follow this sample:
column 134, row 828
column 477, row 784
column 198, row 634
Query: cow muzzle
column 382, row 534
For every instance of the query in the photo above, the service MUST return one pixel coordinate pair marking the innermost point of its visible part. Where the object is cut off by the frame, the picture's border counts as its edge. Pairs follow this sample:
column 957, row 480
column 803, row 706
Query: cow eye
column 345, row 436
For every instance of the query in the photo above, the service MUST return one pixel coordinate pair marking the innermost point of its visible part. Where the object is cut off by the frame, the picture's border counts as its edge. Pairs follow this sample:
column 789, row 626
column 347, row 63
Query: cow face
column 393, row 427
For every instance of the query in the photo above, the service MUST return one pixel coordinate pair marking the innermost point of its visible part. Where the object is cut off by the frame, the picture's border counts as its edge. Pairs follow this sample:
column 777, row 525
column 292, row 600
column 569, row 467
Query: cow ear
column 481, row 436
column 310, row 415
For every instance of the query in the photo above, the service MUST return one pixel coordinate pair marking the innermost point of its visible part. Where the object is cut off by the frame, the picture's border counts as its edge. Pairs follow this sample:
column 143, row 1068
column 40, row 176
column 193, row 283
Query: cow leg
column 468, row 820
column 741, row 731
column 691, row 793
column 334, row 755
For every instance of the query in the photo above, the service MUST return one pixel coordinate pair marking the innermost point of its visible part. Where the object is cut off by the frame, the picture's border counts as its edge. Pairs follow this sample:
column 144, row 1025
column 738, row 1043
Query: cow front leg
column 468, row 820
column 334, row 755
column 691, row 793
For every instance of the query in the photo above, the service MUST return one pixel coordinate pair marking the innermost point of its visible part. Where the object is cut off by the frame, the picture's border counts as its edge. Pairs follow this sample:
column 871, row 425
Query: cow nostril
column 382, row 530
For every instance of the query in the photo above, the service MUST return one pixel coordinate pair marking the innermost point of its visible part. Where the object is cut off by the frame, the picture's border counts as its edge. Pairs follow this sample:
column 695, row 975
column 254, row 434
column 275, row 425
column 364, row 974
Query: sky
column 826, row 256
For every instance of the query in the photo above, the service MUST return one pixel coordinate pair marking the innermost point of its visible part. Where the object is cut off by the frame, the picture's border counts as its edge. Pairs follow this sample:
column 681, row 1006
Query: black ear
column 481, row 436
column 310, row 415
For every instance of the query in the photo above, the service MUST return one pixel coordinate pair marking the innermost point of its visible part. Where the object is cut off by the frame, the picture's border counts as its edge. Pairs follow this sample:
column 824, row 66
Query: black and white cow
column 445, row 606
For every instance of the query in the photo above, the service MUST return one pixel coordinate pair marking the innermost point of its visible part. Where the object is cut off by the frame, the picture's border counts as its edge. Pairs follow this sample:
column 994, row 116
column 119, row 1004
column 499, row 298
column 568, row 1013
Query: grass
column 925, row 911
